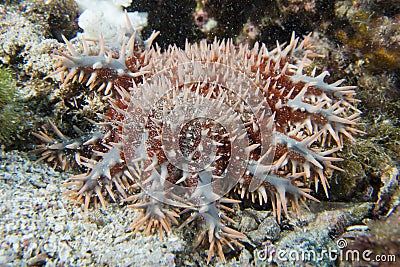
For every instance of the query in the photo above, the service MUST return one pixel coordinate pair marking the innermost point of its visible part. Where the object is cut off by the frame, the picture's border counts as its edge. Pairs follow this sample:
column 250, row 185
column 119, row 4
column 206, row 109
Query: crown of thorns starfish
column 188, row 131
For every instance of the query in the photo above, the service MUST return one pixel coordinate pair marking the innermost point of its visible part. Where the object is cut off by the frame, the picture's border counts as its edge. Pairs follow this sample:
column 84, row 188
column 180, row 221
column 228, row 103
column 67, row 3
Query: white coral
column 107, row 17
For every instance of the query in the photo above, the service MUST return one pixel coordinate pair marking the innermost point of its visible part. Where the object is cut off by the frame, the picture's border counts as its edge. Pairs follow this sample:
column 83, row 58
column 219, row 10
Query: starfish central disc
column 196, row 127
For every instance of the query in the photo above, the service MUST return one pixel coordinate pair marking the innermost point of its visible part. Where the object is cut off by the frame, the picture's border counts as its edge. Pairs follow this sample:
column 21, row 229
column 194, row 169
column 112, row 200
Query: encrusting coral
column 189, row 130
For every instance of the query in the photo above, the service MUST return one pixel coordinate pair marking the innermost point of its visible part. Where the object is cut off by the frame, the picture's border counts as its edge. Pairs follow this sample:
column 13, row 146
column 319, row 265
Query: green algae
column 379, row 51
column 10, row 116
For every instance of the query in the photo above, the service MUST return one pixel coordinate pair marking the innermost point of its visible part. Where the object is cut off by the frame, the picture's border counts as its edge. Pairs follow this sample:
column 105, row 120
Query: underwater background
column 358, row 41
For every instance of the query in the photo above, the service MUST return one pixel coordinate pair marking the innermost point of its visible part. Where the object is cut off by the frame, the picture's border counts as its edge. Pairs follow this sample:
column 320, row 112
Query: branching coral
column 192, row 126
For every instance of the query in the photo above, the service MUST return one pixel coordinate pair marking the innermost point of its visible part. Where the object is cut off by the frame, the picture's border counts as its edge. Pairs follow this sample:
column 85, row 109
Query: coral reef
column 120, row 143
column 266, row 21
column 202, row 20
column 380, row 239
column 27, row 53
column 50, row 15
column 372, row 37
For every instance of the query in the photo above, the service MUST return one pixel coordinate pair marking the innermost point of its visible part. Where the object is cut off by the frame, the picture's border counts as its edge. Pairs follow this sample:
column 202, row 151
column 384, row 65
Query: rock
column 60, row 235
column 388, row 196
column 309, row 238
column 39, row 260
column 267, row 230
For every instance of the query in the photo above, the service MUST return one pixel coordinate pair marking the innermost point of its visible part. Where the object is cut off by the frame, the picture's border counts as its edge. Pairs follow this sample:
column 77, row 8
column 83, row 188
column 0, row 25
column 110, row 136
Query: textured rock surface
column 37, row 227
